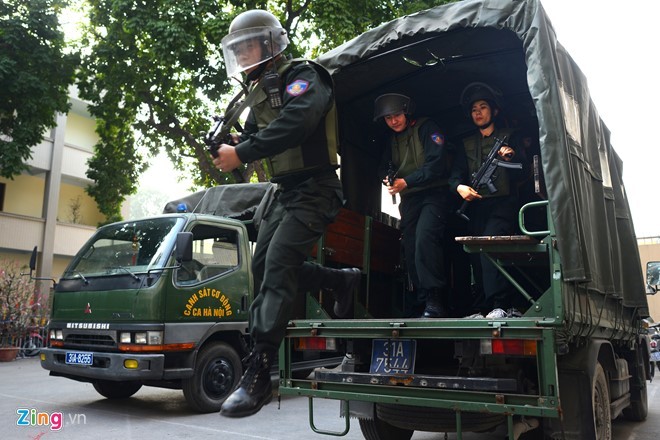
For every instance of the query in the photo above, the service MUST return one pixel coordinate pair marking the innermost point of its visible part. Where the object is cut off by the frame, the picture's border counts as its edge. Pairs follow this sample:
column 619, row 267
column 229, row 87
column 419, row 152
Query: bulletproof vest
column 408, row 155
column 318, row 151
column 477, row 148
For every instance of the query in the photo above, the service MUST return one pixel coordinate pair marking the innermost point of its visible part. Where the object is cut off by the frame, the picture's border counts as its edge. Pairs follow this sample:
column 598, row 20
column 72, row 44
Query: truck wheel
column 376, row 429
column 436, row 419
column 601, row 404
column 639, row 405
column 116, row 390
column 32, row 346
column 217, row 372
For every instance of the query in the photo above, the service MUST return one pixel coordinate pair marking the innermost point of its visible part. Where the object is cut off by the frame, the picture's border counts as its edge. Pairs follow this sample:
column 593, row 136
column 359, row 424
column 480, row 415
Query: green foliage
column 146, row 74
column 35, row 74
column 334, row 22
column 155, row 69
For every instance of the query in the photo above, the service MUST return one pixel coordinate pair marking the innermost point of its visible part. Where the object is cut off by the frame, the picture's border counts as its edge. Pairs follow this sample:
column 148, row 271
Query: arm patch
column 438, row 138
column 297, row 87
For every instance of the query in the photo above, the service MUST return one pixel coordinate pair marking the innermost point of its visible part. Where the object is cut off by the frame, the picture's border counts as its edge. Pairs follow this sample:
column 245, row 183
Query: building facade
column 47, row 205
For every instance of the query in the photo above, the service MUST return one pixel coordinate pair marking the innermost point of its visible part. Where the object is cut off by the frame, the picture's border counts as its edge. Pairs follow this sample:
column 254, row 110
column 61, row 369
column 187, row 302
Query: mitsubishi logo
column 88, row 309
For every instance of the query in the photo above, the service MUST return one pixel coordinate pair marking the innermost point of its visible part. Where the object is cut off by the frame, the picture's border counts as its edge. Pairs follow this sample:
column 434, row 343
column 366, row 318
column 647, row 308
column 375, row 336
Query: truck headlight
column 55, row 334
column 141, row 338
column 154, row 338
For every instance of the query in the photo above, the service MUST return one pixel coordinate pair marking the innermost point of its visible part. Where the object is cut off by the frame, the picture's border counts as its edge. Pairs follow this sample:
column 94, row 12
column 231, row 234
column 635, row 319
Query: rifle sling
column 249, row 100
column 233, row 120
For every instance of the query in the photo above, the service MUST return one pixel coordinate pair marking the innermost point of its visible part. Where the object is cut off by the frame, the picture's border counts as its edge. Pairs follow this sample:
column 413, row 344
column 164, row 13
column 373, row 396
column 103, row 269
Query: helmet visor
column 247, row 48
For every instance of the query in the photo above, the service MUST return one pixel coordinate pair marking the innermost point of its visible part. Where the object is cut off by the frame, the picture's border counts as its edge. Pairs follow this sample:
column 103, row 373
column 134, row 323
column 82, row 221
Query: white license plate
column 79, row 358
column 393, row 356
column 655, row 356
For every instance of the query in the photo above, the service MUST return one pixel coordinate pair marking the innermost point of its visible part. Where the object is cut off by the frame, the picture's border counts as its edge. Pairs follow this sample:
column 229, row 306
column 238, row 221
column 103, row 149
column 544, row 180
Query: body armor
column 311, row 154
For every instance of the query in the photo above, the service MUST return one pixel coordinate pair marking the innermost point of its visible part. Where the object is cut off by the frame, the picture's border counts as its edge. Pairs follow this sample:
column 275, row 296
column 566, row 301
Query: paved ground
column 155, row 413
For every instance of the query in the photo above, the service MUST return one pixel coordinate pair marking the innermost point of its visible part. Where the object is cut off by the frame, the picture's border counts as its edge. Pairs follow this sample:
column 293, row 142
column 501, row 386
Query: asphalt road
column 155, row 413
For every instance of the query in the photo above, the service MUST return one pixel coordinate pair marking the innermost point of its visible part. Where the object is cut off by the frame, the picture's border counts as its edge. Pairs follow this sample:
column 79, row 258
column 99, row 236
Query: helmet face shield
column 246, row 48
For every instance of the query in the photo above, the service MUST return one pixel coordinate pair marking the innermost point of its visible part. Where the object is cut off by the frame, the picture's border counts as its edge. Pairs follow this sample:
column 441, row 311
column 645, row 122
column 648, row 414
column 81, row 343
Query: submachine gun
column 484, row 175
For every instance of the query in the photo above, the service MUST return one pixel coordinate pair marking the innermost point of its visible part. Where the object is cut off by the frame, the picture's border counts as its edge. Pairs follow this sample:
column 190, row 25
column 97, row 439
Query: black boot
column 434, row 307
column 255, row 389
column 344, row 283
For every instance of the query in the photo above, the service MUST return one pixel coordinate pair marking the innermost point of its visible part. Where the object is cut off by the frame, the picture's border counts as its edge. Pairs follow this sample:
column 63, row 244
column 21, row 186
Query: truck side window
column 215, row 252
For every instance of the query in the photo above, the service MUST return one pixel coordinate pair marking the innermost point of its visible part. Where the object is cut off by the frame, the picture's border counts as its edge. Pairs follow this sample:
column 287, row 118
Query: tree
column 35, row 74
column 154, row 74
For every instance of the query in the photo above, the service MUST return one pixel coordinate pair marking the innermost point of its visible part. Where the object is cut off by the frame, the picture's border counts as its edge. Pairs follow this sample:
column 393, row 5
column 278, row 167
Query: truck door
column 216, row 284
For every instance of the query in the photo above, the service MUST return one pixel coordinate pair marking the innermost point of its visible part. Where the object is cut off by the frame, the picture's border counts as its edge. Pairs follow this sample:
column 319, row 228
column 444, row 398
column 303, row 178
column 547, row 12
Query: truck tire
column 639, row 405
column 436, row 419
column 377, row 429
column 217, row 372
column 116, row 390
column 32, row 346
column 600, row 395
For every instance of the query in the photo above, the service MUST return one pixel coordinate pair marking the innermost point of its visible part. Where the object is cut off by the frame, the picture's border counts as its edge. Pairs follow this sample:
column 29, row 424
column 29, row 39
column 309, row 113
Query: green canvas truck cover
column 583, row 173
column 242, row 201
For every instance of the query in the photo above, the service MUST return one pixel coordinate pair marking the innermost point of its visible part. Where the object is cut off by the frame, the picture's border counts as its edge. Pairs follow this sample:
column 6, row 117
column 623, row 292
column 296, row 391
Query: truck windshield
column 126, row 248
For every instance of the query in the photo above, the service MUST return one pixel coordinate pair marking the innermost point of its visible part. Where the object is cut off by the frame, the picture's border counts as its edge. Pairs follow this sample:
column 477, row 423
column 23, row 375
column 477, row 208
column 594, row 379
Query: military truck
column 578, row 357
column 163, row 301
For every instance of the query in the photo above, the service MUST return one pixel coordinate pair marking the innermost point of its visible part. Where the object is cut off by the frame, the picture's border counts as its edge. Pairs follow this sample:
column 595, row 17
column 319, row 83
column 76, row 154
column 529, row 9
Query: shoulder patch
column 438, row 138
column 298, row 87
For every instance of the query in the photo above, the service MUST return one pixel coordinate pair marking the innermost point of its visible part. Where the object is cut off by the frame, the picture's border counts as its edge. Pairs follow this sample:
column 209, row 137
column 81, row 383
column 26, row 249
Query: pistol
column 391, row 175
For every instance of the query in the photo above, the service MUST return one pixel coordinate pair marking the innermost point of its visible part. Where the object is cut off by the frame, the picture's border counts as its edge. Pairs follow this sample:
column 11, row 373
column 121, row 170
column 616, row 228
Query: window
column 215, row 252
column 130, row 247
column 2, row 196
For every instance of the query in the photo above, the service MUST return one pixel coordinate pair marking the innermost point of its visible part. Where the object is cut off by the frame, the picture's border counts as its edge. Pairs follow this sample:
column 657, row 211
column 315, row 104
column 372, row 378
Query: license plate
column 393, row 356
column 655, row 356
column 79, row 358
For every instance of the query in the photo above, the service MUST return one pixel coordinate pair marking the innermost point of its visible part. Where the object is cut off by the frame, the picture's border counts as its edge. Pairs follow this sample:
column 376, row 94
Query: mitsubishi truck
column 578, row 357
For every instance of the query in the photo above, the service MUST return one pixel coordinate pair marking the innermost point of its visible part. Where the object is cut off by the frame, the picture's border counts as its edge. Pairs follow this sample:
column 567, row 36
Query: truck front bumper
column 105, row 366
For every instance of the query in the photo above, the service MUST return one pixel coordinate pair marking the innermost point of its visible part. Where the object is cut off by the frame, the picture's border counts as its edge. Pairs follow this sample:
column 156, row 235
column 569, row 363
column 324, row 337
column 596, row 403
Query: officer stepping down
column 291, row 126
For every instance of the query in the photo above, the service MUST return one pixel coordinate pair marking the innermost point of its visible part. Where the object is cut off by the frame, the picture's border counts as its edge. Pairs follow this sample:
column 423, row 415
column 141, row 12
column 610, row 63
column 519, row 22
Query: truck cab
column 126, row 313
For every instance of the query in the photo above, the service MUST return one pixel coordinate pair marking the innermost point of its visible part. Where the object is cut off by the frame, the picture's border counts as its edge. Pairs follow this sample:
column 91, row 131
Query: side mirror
column 33, row 267
column 33, row 259
column 184, row 241
column 652, row 277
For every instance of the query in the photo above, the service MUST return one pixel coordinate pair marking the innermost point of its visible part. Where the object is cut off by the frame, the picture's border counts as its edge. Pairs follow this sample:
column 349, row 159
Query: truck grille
column 90, row 340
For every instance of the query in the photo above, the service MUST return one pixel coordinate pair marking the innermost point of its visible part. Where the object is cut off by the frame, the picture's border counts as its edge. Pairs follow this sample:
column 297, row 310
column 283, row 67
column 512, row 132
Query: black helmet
column 477, row 91
column 256, row 25
column 392, row 103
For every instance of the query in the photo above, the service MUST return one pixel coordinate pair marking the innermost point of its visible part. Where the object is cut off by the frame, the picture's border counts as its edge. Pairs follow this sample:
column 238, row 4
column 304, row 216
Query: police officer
column 490, row 214
column 290, row 124
column 417, row 150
